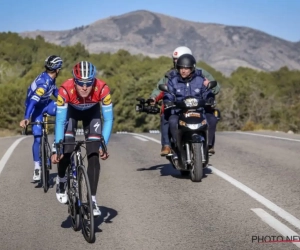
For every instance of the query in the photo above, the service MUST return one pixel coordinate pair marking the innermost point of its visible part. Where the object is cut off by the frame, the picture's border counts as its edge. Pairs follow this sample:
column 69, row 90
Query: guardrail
column 150, row 131
column 80, row 131
column 154, row 131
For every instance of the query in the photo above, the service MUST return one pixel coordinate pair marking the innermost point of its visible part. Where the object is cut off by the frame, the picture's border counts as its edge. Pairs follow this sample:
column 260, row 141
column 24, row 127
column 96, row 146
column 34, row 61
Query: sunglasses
column 84, row 82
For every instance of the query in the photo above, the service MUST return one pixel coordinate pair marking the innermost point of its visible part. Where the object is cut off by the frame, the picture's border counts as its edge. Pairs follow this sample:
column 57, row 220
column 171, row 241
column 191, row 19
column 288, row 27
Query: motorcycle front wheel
column 197, row 168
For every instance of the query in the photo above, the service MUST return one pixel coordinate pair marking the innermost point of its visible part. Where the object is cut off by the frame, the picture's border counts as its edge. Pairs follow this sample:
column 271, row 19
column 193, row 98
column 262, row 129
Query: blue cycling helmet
column 53, row 63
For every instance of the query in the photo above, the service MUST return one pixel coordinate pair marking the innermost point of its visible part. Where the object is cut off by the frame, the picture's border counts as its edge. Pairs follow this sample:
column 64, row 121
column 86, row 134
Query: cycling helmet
column 53, row 63
column 84, row 73
column 186, row 61
column 180, row 51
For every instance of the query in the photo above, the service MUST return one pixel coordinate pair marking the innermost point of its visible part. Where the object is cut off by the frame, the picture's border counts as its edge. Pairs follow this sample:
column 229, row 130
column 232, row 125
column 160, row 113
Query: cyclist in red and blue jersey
column 83, row 98
column 38, row 102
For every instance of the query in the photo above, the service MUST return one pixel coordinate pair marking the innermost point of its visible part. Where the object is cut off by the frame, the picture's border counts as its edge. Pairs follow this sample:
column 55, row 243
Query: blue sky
column 280, row 18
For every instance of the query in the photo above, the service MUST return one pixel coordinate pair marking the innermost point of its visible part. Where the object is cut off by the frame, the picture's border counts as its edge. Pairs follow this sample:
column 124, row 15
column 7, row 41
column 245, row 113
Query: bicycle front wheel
column 86, row 205
column 73, row 201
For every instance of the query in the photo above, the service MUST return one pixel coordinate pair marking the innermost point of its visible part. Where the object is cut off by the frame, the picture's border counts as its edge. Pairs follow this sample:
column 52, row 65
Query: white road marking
column 140, row 138
column 275, row 224
column 267, row 136
column 146, row 137
column 267, row 203
column 9, row 151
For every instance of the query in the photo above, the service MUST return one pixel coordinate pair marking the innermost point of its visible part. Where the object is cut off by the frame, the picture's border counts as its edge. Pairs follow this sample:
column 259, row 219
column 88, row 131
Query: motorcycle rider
column 186, row 81
column 157, row 95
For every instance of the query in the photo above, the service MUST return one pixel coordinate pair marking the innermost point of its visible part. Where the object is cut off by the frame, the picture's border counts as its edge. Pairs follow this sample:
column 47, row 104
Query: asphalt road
column 250, row 193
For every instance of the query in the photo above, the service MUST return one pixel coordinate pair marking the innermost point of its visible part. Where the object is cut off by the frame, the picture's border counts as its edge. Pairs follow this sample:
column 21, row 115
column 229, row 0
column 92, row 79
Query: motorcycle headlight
column 191, row 102
column 194, row 126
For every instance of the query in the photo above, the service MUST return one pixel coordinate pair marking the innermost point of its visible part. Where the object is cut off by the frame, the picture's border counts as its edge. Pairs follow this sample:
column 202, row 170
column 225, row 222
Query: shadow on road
column 107, row 214
column 52, row 177
column 169, row 170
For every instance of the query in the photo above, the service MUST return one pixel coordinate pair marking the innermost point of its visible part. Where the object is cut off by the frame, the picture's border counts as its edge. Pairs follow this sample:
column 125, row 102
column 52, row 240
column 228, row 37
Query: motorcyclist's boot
column 166, row 150
column 211, row 150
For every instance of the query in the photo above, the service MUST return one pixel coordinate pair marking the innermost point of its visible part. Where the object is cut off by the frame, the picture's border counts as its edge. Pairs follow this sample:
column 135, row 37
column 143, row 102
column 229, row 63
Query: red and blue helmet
column 84, row 73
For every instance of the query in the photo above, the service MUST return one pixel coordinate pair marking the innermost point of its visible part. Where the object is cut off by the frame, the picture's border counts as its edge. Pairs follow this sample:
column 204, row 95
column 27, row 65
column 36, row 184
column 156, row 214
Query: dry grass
column 6, row 132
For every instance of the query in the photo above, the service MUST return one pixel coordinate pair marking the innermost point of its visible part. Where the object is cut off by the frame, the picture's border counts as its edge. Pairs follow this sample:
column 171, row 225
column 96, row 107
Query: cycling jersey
column 68, row 96
column 39, row 93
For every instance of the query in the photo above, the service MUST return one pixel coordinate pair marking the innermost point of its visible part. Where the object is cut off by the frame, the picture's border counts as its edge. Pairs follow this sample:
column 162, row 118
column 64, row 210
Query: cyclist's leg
column 61, row 180
column 69, row 137
column 50, row 109
column 37, row 116
column 93, row 130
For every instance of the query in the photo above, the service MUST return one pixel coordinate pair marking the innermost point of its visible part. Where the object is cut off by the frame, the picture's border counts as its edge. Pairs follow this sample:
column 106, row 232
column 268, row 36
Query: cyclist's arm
column 35, row 98
column 107, row 113
column 55, row 92
column 61, row 115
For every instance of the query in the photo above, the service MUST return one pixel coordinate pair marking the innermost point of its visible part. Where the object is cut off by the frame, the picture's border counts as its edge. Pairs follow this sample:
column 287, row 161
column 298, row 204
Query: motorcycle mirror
column 163, row 88
column 212, row 84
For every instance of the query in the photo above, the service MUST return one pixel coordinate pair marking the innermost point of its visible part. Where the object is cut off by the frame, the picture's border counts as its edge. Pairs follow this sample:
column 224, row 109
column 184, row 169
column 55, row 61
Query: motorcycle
column 191, row 146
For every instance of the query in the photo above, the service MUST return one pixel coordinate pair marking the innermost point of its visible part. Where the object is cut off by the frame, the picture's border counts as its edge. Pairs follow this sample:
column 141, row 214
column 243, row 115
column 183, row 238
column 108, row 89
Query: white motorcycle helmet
column 180, row 51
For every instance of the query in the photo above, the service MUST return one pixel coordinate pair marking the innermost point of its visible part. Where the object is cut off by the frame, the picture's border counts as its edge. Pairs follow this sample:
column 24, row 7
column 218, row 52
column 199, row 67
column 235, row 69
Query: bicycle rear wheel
column 45, row 160
column 86, row 206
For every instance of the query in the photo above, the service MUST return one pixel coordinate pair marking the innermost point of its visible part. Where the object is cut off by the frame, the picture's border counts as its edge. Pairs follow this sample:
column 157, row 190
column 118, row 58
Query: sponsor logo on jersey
column 36, row 98
column 60, row 101
column 40, row 91
column 96, row 126
column 107, row 100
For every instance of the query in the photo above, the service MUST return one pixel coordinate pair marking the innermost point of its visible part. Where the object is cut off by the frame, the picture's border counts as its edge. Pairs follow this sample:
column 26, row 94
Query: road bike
column 80, row 206
column 45, row 150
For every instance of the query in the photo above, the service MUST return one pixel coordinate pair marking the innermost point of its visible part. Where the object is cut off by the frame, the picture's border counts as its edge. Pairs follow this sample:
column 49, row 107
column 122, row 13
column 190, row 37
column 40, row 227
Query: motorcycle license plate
column 192, row 114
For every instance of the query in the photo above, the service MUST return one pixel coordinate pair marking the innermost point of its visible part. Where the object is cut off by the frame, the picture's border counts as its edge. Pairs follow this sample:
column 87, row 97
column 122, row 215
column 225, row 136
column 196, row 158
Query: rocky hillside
column 223, row 47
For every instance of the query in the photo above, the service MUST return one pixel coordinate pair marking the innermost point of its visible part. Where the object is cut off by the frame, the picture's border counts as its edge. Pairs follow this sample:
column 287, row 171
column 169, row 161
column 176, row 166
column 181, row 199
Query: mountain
column 223, row 47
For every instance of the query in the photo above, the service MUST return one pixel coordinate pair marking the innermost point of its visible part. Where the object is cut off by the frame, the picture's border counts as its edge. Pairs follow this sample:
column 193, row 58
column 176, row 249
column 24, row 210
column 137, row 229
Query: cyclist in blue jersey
column 83, row 98
column 38, row 102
